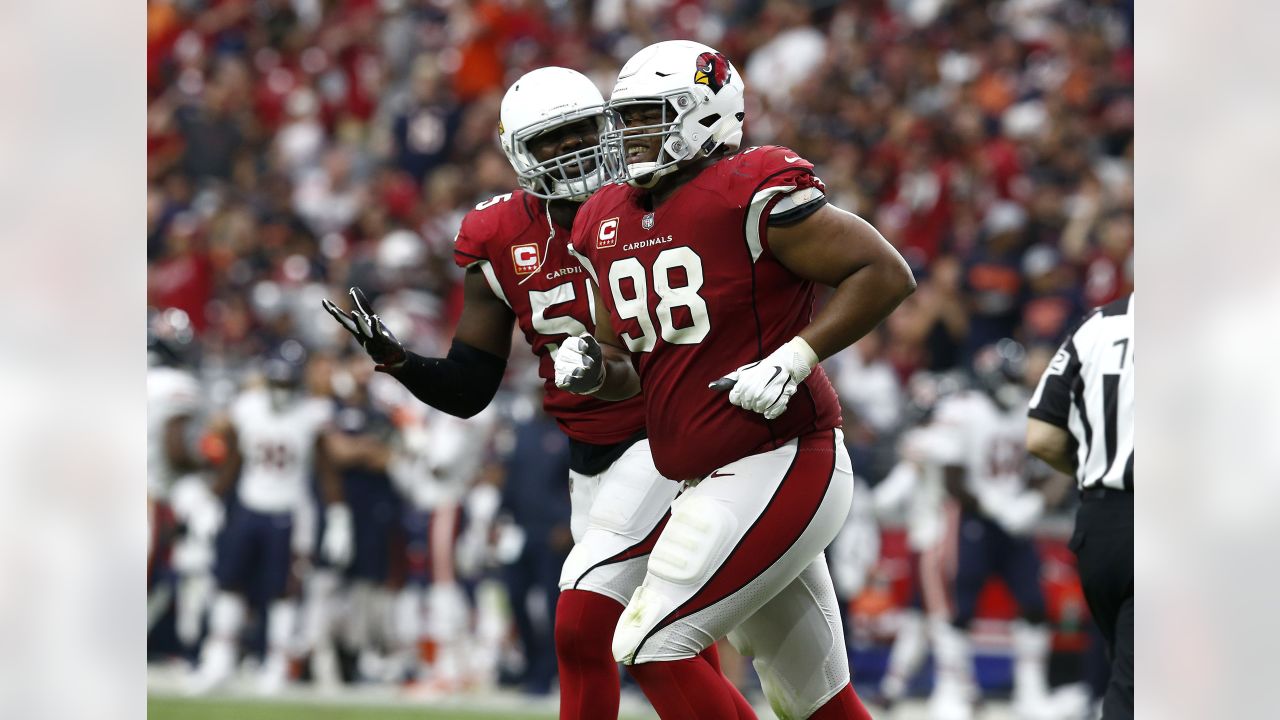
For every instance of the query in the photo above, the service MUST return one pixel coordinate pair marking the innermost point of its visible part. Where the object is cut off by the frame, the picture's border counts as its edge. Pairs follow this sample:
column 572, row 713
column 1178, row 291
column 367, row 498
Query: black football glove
column 369, row 331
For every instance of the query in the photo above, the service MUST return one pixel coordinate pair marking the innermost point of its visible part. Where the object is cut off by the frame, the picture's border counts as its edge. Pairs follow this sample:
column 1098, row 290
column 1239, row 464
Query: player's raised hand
column 767, row 386
column 580, row 365
column 369, row 331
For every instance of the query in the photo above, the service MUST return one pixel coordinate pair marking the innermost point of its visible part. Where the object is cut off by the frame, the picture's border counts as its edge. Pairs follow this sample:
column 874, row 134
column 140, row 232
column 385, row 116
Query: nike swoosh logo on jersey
column 790, row 158
column 719, row 474
column 662, row 74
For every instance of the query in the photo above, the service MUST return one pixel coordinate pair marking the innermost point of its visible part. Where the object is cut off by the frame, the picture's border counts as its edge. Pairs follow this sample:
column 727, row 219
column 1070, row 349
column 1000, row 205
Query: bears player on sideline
column 275, row 442
column 707, row 261
column 176, row 465
column 515, row 249
column 978, row 441
column 918, row 486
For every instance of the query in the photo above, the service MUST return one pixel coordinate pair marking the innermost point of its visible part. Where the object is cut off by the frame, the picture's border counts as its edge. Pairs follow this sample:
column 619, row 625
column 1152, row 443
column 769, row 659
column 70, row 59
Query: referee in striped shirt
column 1081, row 422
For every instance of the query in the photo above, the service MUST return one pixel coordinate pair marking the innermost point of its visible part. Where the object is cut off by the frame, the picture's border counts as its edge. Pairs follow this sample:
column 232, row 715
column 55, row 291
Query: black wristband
column 461, row 384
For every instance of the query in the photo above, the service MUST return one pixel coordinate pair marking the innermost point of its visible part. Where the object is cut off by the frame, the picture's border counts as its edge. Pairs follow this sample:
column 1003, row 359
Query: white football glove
column 767, row 386
column 580, row 365
column 337, row 543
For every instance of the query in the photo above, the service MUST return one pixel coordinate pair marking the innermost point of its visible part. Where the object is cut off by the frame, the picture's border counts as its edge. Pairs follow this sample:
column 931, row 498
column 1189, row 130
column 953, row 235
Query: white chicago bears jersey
column 171, row 393
column 277, row 448
column 916, row 488
column 990, row 443
column 437, row 456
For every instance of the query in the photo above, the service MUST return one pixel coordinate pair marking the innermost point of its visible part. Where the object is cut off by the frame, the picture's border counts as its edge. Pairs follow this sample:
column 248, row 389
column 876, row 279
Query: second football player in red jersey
column 706, row 262
column 519, row 271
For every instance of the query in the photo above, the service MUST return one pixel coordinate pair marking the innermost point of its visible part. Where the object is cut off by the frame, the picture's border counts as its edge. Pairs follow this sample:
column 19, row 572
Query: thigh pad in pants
column 627, row 504
column 733, row 543
column 693, row 544
column 796, row 642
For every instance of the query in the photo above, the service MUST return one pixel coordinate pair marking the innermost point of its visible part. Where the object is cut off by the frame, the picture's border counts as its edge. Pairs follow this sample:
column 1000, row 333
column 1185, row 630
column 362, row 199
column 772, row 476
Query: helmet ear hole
column 709, row 120
column 740, row 116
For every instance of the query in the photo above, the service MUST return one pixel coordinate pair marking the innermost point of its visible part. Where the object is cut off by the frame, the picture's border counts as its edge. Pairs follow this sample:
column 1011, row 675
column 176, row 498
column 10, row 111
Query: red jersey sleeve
column 469, row 246
column 777, row 186
column 480, row 225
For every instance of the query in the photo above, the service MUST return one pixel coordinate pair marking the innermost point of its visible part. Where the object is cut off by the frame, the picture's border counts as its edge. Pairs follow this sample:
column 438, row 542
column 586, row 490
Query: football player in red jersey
column 519, row 270
column 706, row 260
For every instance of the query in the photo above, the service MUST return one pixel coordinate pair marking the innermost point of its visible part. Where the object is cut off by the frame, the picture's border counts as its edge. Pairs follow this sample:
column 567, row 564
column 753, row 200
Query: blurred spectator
column 993, row 276
column 996, row 136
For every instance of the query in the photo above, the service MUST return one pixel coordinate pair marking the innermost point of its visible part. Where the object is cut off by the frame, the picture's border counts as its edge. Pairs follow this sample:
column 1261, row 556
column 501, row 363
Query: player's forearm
column 331, row 487
column 620, row 378
column 178, row 446
column 374, row 454
column 954, row 481
column 344, row 450
column 461, row 384
column 860, row 302
column 326, row 471
column 225, row 479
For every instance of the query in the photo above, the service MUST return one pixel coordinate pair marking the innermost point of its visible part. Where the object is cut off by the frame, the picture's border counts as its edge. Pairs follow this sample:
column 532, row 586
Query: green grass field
column 220, row 709
column 174, row 708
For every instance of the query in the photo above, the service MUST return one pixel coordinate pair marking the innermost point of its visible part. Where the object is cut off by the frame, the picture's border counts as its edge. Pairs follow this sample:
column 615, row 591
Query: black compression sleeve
column 461, row 384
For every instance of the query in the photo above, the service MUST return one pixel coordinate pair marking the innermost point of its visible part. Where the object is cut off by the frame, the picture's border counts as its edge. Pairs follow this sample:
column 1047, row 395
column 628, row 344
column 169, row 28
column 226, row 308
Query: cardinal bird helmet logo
column 712, row 71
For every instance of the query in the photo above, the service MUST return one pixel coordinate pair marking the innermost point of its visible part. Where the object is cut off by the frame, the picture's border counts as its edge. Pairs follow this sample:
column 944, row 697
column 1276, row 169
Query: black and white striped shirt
column 1087, row 390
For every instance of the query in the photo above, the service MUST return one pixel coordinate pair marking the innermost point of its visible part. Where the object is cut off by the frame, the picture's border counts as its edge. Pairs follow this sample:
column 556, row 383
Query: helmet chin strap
column 650, row 170
column 546, row 204
column 647, row 172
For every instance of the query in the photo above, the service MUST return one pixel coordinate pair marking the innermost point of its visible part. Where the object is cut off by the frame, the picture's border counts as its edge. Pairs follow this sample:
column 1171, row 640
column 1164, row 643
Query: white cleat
column 217, row 664
column 950, row 703
column 274, row 675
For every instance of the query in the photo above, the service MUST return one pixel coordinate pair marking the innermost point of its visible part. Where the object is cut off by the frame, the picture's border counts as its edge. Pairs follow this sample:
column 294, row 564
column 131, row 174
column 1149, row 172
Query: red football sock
column 588, row 673
column 712, row 656
column 687, row 690
column 844, row 706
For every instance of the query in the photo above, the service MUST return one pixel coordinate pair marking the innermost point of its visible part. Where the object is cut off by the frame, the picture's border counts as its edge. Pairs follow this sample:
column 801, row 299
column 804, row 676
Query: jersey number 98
column 669, row 298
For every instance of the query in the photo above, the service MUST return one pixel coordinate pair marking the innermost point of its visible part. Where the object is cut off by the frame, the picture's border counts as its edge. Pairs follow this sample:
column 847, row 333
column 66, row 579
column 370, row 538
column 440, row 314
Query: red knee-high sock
column 712, row 656
column 844, row 706
column 686, row 689
column 588, row 673
column 745, row 711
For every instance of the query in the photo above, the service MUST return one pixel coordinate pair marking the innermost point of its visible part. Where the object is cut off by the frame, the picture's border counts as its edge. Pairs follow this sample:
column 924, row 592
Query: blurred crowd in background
column 299, row 147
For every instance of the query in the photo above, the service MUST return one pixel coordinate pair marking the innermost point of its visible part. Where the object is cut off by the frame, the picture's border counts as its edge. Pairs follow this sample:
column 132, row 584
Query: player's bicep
column 830, row 244
column 487, row 320
column 175, row 440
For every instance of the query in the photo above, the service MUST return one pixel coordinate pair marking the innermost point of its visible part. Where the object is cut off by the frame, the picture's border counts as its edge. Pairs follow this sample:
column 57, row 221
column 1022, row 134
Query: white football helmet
column 701, row 95
column 543, row 100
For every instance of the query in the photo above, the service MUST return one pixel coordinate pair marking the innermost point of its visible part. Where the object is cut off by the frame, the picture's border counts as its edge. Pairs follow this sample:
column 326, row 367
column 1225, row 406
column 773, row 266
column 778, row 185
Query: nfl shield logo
column 647, row 222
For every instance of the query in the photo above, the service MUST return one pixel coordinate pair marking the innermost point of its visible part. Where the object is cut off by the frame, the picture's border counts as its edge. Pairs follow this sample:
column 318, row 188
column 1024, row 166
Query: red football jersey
column 694, row 291
column 508, row 236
